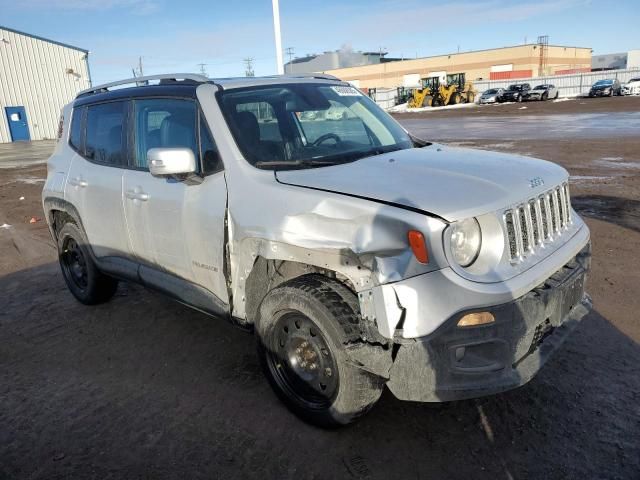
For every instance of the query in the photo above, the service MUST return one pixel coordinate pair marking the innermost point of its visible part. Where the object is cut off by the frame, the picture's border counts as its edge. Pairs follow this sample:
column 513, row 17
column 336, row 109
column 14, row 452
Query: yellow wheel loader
column 432, row 93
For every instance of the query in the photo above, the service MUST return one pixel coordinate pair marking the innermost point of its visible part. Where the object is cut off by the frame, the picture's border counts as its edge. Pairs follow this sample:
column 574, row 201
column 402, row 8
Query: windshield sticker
column 346, row 91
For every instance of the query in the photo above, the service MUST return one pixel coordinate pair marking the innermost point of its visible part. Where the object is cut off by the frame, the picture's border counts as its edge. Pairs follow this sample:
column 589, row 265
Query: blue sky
column 177, row 36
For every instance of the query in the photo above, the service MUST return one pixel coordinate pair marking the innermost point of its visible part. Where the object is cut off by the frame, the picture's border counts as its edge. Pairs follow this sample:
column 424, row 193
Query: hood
column 451, row 183
column 601, row 87
column 512, row 92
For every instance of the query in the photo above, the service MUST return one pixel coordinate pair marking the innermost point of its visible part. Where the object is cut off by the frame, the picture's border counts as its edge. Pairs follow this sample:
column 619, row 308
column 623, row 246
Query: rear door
column 94, row 184
column 177, row 225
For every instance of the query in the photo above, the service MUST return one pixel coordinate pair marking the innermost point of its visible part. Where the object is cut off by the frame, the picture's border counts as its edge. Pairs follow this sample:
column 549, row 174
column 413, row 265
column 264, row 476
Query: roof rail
column 137, row 80
column 320, row 76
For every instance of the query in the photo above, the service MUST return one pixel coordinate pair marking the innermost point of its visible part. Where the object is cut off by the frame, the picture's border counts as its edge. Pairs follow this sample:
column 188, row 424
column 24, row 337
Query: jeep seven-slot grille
column 538, row 220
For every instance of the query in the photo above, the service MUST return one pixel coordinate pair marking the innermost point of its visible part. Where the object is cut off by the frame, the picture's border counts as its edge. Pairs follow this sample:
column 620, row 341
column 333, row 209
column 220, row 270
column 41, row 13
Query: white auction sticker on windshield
column 346, row 91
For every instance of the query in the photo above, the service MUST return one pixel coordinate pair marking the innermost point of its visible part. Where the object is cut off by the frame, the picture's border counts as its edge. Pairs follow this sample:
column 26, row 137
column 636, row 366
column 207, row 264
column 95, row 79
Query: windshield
column 541, row 87
column 515, row 88
column 604, row 82
column 304, row 125
column 491, row 91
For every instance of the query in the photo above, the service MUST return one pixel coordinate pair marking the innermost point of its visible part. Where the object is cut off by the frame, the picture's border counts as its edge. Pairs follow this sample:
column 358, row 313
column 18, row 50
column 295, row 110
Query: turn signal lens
column 418, row 246
column 474, row 319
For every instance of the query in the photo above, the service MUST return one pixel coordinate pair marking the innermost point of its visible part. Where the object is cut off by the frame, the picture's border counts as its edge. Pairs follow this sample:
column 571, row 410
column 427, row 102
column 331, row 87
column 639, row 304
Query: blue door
column 17, row 120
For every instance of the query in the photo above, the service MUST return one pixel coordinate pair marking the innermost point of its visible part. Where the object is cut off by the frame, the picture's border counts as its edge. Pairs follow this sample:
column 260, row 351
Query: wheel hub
column 303, row 360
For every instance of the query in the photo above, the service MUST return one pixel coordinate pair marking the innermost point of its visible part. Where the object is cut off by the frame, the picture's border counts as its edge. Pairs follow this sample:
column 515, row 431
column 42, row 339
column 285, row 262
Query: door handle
column 136, row 195
column 78, row 182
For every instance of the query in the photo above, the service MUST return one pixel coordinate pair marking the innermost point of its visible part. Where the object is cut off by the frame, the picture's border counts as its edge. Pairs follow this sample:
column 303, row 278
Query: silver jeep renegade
column 359, row 255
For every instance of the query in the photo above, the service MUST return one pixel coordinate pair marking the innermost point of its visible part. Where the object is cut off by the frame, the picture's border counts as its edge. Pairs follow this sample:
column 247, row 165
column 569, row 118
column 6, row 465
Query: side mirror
column 171, row 161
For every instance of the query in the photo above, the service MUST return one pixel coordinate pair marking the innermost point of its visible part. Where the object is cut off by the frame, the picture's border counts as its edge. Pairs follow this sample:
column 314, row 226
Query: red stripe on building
column 573, row 70
column 510, row 75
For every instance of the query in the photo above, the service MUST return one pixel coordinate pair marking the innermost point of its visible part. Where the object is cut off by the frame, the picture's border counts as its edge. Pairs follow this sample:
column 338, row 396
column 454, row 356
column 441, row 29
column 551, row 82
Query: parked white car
column 360, row 256
column 632, row 87
column 544, row 92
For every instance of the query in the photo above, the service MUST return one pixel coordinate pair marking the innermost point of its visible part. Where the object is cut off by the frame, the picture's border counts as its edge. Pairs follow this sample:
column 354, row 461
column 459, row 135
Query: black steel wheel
column 74, row 265
column 88, row 284
column 303, row 329
column 301, row 361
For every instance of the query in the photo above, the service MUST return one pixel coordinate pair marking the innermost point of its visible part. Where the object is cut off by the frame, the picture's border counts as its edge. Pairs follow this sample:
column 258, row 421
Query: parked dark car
column 606, row 88
column 544, row 92
column 517, row 92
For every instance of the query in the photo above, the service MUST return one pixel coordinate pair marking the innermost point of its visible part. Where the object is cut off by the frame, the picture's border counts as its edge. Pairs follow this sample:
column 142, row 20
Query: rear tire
column 302, row 331
column 88, row 284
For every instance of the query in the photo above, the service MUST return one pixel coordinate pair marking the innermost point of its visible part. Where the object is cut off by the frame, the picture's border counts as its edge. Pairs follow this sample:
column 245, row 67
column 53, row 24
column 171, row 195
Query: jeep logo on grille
column 536, row 182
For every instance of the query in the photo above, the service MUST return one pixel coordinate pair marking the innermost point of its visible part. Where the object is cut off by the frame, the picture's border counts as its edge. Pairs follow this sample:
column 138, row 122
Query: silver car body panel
column 350, row 219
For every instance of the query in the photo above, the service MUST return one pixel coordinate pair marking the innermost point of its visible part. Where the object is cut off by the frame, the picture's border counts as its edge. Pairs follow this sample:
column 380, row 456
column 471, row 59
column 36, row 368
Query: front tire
column 519, row 99
column 302, row 332
column 88, row 284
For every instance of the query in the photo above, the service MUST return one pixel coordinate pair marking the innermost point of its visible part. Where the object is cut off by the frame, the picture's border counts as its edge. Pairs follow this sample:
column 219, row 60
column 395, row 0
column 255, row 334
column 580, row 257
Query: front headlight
column 466, row 240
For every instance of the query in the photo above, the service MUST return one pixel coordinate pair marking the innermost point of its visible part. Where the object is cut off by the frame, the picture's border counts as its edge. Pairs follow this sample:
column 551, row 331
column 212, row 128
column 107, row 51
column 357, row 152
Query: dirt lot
column 143, row 387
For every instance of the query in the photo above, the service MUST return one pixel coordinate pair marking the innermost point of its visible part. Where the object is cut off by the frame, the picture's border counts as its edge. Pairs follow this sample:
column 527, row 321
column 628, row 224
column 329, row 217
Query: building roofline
column 409, row 59
column 37, row 37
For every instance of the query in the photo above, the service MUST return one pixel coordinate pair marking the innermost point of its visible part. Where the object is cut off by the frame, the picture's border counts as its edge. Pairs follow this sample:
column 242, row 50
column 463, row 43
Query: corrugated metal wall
column 569, row 85
column 41, row 76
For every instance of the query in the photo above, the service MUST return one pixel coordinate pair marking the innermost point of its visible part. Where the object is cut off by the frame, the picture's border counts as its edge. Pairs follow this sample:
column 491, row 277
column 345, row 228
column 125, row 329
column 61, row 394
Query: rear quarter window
column 75, row 132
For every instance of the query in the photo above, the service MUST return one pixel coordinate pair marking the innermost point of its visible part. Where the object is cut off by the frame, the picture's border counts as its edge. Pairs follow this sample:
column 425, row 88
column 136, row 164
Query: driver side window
column 164, row 123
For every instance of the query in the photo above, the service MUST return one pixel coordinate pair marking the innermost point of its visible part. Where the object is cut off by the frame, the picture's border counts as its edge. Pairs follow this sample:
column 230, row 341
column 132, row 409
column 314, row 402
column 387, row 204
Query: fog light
column 477, row 318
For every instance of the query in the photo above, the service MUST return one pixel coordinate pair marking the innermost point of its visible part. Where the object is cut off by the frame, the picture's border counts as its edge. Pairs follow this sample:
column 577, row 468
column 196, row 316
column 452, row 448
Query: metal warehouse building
column 521, row 61
column 37, row 77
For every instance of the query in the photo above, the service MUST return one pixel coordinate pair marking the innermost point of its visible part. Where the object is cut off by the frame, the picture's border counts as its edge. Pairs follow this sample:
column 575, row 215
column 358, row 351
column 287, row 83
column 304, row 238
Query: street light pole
column 276, row 29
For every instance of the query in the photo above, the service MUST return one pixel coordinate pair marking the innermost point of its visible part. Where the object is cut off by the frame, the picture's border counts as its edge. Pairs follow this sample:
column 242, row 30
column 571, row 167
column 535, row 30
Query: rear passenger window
column 75, row 134
column 104, row 142
column 164, row 123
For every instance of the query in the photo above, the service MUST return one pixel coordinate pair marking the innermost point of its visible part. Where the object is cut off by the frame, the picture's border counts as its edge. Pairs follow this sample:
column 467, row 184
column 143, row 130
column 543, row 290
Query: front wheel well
column 267, row 274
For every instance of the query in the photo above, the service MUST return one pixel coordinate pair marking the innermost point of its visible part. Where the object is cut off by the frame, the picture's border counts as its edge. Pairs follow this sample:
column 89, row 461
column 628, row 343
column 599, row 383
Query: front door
column 18, row 127
column 175, row 226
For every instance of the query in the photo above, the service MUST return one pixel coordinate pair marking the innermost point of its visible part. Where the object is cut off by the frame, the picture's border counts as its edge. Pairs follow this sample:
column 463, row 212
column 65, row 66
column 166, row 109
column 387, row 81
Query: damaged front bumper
column 454, row 363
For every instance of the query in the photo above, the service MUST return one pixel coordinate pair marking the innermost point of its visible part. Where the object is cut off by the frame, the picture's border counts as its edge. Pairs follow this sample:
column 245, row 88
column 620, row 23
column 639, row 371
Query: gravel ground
column 143, row 387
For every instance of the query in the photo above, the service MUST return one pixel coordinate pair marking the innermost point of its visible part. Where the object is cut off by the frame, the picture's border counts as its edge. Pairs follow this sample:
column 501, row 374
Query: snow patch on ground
column 589, row 178
column 30, row 180
column 563, row 99
column 617, row 162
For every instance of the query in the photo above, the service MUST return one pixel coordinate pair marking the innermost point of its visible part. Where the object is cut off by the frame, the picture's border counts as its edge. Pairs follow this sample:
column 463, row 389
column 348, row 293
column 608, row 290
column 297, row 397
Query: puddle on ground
column 621, row 211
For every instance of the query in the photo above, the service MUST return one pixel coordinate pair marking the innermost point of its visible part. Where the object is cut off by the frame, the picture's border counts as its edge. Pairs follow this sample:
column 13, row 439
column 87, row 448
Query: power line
column 248, row 63
column 289, row 51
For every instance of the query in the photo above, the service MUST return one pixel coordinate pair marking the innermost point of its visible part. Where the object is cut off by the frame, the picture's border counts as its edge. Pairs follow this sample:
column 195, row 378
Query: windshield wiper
column 295, row 163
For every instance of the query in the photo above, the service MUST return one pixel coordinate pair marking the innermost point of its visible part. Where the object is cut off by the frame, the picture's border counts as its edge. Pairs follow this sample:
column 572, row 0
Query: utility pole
column 248, row 62
column 203, row 70
column 140, row 66
column 278, row 37
column 289, row 52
